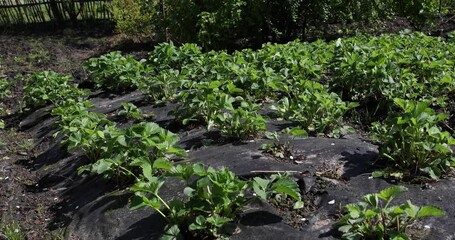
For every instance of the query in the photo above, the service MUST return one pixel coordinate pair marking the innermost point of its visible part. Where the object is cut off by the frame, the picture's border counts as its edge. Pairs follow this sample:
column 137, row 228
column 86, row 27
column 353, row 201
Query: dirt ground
column 22, row 200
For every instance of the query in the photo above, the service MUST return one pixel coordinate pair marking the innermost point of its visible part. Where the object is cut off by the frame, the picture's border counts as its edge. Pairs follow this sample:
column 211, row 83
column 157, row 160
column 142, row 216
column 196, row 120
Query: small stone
column 331, row 202
column 427, row 226
column 333, row 144
column 310, row 156
column 303, row 219
column 22, row 153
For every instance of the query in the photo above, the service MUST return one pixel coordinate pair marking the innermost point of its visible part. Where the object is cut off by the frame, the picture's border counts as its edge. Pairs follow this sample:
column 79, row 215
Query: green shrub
column 374, row 218
column 413, row 142
column 135, row 18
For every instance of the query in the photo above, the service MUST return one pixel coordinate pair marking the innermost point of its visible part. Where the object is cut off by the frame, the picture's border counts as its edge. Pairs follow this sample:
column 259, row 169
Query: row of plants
column 213, row 198
column 227, row 91
column 144, row 153
column 301, row 82
column 307, row 82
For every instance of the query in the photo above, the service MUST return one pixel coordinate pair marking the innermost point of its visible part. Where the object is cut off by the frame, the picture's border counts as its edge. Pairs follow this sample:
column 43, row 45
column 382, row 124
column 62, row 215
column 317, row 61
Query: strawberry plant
column 168, row 56
column 242, row 122
column 163, row 86
column 130, row 111
column 213, row 201
column 202, row 103
column 214, row 198
column 50, row 88
column 313, row 107
column 277, row 149
column 374, row 218
column 116, row 72
column 278, row 186
column 382, row 68
column 142, row 148
column 413, row 142
column 83, row 130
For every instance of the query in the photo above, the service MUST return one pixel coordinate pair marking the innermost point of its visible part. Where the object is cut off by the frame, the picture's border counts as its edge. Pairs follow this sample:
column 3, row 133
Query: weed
column 10, row 229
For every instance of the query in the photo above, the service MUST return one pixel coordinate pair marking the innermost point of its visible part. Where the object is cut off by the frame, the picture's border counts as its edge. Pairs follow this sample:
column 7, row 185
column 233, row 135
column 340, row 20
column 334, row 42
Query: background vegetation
column 218, row 24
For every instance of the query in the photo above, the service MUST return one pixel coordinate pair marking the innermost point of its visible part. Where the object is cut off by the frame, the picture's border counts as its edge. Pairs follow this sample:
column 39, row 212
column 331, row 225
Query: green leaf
column 288, row 187
column 199, row 224
column 189, row 191
column 218, row 221
column 172, row 232
column 296, row 131
column 101, row 166
column 260, row 187
column 199, row 169
column 121, row 140
column 162, row 163
column 377, row 174
column 429, row 211
column 100, row 134
column 389, row 193
column 345, row 228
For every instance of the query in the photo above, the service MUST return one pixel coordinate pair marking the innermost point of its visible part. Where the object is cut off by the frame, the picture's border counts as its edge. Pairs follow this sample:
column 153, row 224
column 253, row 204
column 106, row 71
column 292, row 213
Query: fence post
column 56, row 12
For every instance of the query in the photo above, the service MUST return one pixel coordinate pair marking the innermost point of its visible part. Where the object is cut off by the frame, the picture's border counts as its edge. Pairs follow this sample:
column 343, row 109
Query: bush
column 135, row 18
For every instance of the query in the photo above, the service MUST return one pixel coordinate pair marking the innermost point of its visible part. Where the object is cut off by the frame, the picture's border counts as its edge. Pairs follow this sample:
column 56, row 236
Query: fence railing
column 17, row 12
